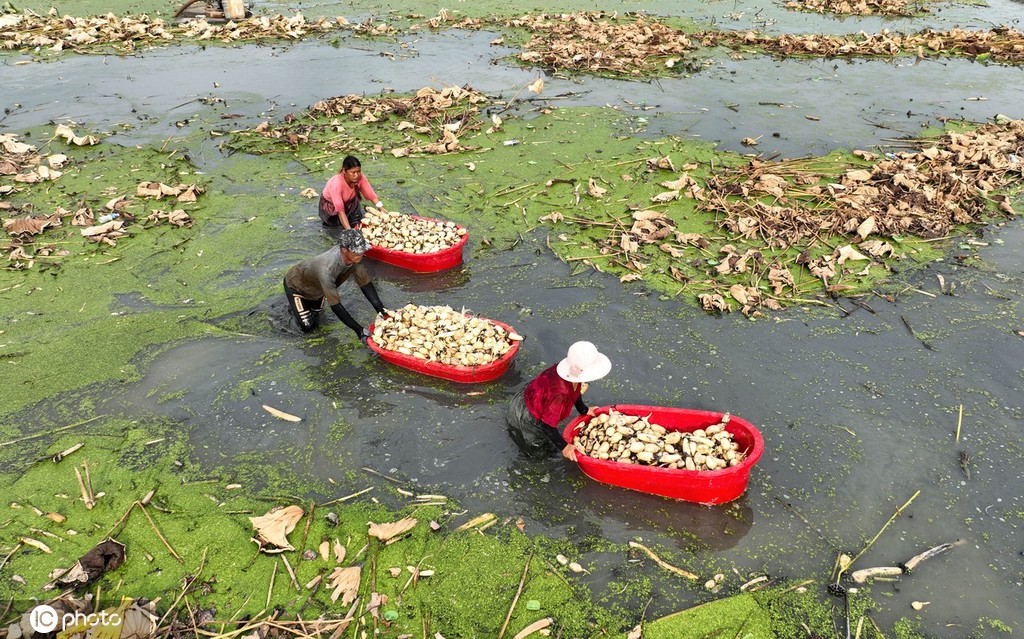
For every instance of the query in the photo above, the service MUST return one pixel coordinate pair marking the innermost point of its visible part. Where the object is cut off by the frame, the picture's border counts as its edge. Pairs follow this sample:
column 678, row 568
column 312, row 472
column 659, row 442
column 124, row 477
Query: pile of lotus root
column 391, row 230
column 442, row 334
column 631, row 439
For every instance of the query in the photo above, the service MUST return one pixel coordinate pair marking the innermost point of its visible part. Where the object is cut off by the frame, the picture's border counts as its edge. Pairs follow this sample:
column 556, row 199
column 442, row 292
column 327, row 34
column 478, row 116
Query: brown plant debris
column 860, row 7
column 177, row 217
column 68, row 135
column 777, row 206
column 138, row 618
column 23, row 227
column 389, row 531
column 833, row 219
column 157, row 190
column 1002, row 44
column 22, row 163
column 106, row 233
column 598, row 42
column 658, row 560
column 438, row 116
column 101, row 559
column 924, row 193
column 29, row 31
column 344, row 583
column 272, row 528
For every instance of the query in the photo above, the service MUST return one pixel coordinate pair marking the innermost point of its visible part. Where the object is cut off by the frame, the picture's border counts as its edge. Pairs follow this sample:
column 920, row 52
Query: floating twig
column 959, row 421
column 186, row 587
column 51, row 432
column 924, row 342
column 280, row 414
column 17, row 547
column 476, row 521
column 896, row 514
column 159, row 534
column 86, row 495
column 662, row 563
column 64, row 453
column 291, row 573
column 382, row 475
column 860, row 576
column 347, row 497
column 270, row 590
column 88, row 483
column 540, row 624
column 519, row 591
column 305, row 531
column 142, row 507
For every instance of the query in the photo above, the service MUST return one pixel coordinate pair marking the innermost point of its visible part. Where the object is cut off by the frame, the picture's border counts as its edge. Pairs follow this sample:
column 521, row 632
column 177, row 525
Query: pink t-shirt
column 337, row 191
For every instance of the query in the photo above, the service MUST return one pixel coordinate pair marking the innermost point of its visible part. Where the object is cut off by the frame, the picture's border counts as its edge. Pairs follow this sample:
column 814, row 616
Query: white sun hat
column 583, row 363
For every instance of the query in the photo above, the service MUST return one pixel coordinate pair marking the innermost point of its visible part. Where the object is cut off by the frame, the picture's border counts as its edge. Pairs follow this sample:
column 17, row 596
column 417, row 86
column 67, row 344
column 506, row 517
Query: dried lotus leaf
column 388, row 531
column 272, row 528
column 344, row 583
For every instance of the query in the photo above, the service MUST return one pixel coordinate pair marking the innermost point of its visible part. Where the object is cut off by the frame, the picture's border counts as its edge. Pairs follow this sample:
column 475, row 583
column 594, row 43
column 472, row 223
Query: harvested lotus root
column 442, row 334
column 399, row 232
column 632, row 439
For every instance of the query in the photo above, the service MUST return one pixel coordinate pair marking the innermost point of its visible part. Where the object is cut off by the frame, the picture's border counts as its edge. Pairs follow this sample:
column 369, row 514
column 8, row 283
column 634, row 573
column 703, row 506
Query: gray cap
column 353, row 240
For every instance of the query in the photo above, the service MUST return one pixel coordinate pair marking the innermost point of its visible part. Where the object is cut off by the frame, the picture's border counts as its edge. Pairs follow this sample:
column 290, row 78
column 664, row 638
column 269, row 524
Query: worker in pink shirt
column 344, row 194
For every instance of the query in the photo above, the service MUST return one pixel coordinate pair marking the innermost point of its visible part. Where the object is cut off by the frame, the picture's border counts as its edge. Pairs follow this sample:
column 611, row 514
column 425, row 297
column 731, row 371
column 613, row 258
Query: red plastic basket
column 422, row 262
column 701, row 486
column 461, row 374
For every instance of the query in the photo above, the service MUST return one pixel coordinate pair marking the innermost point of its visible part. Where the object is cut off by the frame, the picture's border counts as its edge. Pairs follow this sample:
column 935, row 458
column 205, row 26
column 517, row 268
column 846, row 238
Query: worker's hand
column 592, row 411
column 569, row 452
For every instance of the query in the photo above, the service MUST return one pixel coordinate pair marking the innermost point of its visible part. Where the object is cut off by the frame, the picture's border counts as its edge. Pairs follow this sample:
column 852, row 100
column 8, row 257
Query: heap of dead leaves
column 22, row 231
column 21, row 162
column 264, row 27
column 951, row 181
column 590, row 42
column 860, row 7
column 924, row 193
column 1003, row 44
column 29, row 30
column 442, row 115
column 138, row 619
column 769, row 208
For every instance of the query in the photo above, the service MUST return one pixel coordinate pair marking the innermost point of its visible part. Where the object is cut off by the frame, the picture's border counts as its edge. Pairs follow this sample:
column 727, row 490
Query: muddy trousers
column 329, row 216
column 307, row 312
column 529, row 433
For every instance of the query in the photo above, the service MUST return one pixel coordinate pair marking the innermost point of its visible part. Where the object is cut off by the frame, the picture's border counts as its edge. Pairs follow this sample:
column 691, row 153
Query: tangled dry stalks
column 1001, row 44
column 441, row 115
column 860, row 7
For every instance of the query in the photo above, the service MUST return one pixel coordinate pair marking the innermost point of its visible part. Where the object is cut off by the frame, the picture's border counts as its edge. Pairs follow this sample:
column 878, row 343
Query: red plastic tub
column 422, row 262
column 701, row 486
column 461, row 374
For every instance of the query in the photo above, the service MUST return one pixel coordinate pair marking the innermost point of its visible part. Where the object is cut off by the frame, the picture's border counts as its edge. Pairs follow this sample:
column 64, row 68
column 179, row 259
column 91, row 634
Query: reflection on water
column 409, row 282
column 691, row 527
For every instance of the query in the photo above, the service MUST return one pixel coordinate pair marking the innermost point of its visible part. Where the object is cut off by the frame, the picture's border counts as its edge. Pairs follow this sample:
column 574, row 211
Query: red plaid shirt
column 550, row 398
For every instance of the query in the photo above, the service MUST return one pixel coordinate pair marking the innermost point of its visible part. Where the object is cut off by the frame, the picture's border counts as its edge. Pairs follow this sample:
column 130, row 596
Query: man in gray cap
column 312, row 285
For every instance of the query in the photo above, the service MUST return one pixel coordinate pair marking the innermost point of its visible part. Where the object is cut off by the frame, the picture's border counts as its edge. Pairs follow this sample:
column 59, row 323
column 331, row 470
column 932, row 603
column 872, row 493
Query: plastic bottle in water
column 108, row 218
